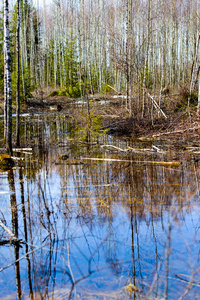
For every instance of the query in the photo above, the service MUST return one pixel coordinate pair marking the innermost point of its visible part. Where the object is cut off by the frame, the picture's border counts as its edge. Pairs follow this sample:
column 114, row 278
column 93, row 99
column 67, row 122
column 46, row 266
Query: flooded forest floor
column 180, row 127
column 101, row 205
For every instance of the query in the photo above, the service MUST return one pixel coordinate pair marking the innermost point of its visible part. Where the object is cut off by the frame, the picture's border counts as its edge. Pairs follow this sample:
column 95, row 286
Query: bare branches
column 22, row 257
column 12, row 236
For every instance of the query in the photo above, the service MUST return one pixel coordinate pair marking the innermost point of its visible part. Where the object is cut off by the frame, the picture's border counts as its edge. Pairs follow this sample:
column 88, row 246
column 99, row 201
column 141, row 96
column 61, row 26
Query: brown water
column 116, row 227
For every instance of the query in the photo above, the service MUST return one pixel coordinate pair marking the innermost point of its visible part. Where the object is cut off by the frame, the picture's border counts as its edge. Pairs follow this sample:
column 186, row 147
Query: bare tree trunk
column 5, row 98
column 15, row 227
column 195, row 65
column 7, row 76
column 198, row 106
column 18, row 77
column 127, row 53
column 22, row 55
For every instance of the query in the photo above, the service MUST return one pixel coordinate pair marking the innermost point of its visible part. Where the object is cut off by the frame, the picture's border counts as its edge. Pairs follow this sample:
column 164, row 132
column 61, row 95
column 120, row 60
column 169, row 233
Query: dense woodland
column 88, row 44
column 87, row 209
column 136, row 47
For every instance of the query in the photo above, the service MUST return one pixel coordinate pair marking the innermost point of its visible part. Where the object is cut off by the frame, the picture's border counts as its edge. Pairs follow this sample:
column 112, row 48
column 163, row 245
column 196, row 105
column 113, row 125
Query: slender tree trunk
column 18, row 75
column 15, row 227
column 198, row 106
column 5, row 98
column 7, row 76
column 22, row 55
column 127, row 53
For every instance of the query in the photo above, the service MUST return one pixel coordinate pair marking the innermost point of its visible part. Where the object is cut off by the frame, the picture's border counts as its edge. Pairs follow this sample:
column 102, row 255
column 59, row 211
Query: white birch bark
column 8, row 88
column 18, row 75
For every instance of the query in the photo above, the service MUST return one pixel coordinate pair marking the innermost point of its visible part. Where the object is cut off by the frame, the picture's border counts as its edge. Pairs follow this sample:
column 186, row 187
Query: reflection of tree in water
column 25, row 220
column 72, row 210
column 14, row 216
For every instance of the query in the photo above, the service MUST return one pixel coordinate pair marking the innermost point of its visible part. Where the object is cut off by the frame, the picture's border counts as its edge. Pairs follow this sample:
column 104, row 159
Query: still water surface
column 119, row 227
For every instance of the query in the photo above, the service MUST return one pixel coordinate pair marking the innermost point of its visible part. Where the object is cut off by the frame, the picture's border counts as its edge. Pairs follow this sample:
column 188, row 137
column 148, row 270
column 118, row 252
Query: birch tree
column 7, row 81
column 18, row 75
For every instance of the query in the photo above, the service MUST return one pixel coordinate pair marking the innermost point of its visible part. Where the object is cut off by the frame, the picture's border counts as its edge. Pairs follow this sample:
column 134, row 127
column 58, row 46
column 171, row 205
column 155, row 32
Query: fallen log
column 155, row 104
column 22, row 149
column 114, row 147
column 176, row 131
column 159, row 163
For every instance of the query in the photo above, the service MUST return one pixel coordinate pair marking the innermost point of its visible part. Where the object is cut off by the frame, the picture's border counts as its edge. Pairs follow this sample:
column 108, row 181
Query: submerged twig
column 22, row 257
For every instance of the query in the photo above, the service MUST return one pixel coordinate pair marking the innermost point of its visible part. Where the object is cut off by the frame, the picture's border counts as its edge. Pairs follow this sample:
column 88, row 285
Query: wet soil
column 179, row 126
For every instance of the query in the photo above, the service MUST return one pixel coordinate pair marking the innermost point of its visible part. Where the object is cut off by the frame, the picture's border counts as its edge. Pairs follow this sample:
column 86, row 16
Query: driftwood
column 114, row 147
column 112, row 88
column 134, row 150
column 170, row 132
column 17, row 158
column 156, row 149
column 159, row 163
column 177, row 131
column 22, row 149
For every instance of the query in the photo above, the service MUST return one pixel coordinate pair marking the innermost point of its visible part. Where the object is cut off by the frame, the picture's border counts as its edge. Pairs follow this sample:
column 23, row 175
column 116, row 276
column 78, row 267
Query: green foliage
column 71, row 91
column 148, row 80
column 53, row 94
column 29, row 87
column 92, row 130
column 71, row 63
column 62, row 93
column 74, row 91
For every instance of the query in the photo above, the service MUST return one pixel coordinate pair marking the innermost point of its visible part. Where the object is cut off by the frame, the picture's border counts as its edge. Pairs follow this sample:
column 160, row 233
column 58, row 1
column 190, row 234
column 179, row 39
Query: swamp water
column 117, row 227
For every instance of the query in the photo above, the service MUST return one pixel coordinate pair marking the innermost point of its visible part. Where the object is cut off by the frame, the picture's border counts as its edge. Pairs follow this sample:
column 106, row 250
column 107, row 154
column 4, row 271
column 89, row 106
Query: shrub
column 54, row 93
column 73, row 91
column 62, row 93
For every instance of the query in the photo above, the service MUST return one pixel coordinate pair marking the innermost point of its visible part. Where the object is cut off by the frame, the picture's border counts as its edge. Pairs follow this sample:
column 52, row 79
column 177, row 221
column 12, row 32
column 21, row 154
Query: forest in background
column 78, row 46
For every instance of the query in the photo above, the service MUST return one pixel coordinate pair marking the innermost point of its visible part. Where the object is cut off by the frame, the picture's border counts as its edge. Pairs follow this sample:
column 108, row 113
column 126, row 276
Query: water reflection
column 97, row 229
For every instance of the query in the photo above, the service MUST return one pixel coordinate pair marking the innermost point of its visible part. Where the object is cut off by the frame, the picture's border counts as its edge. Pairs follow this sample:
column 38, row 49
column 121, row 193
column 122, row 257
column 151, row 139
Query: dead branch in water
column 177, row 131
column 12, row 236
column 114, row 147
column 161, row 163
column 22, row 149
column 155, row 104
column 134, row 150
